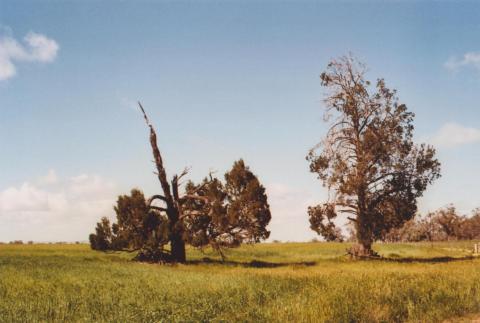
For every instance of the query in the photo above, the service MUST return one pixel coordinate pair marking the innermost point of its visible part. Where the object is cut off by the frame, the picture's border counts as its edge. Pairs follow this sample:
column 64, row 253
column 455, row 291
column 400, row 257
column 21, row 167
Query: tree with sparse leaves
column 470, row 227
column 321, row 217
column 441, row 225
column 367, row 160
column 449, row 221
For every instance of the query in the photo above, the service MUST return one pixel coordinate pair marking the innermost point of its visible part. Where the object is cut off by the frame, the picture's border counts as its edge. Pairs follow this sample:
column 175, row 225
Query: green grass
column 294, row 282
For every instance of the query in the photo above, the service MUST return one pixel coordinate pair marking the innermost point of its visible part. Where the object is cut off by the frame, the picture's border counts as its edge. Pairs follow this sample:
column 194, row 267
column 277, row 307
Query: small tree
column 368, row 159
column 138, row 228
column 428, row 228
column 248, row 208
column 102, row 238
column 470, row 227
column 232, row 213
column 449, row 222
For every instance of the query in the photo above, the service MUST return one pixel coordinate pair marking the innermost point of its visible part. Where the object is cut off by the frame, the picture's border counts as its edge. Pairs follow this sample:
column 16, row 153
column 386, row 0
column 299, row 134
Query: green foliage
column 248, row 208
column 320, row 217
column 138, row 227
column 299, row 282
column 227, row 215
column 206, row 219
column 102, row 238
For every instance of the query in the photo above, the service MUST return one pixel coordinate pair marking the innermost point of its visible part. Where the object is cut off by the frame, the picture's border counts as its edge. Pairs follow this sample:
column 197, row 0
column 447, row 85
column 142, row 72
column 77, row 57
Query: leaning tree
column 210, row 214
column 368, row 162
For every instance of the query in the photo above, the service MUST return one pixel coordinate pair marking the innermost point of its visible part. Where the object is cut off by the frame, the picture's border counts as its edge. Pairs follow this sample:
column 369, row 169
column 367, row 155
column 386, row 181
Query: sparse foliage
column 321, row 217
column 441, row 225
column 368, row 159
column 449, row 221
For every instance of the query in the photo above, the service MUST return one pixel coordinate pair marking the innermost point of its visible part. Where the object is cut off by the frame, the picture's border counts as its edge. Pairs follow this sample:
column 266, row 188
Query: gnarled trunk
column 177, row 244
column 365, row 240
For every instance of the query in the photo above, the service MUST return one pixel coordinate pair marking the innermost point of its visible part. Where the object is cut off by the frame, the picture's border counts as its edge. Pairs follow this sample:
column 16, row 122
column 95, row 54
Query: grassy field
column 291, row 282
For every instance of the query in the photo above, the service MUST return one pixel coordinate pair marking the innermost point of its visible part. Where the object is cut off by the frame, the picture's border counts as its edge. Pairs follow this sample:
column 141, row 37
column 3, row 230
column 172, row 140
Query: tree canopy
column 367, row 160
column 233, row 212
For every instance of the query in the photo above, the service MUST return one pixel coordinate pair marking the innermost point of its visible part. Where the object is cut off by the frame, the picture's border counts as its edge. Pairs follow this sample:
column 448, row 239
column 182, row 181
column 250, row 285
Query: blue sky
column 220, row 81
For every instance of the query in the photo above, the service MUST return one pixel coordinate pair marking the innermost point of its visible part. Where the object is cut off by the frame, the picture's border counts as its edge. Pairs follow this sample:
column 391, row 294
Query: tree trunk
column 364, row 238
column 364, row 233
column 364, row 248
column 178, row 248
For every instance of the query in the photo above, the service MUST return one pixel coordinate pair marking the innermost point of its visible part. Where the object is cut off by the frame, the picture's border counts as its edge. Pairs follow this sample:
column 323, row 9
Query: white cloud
column 43, row 49
column 26, row 198
column 89, row 185
column 471, row 59
column 452, row 135
column 289, row 212
column 55, row 208
column 36, row 48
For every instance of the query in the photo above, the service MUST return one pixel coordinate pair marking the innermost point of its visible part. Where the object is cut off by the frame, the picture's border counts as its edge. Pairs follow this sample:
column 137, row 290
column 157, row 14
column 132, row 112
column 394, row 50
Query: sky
column 220, row 81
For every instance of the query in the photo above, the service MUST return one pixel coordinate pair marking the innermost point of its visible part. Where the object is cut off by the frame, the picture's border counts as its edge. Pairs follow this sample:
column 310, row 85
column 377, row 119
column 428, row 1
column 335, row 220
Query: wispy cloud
column 453, row 135
column 470, row 59
column 35, row 48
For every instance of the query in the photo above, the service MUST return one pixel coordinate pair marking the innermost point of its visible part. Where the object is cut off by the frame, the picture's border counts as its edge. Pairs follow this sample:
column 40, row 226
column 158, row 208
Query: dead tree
column 170, row 198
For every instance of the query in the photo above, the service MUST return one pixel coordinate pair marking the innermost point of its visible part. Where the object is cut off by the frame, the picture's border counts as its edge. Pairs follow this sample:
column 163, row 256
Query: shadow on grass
column 425, row 260
column 251, row 264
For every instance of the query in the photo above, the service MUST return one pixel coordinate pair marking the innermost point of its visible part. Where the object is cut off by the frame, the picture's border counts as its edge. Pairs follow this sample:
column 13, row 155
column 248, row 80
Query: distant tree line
column 16, row 242
column 30, row 242
column 442, row 225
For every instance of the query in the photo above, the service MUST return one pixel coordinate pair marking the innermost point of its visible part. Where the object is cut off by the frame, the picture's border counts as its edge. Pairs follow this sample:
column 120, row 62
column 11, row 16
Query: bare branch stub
column 162, row 175
column 173, row 211
column 144, row 114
